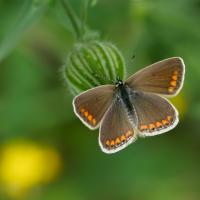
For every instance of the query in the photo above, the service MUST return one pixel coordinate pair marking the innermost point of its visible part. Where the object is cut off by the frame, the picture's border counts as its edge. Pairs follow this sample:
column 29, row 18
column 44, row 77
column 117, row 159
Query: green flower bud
column 92, row 64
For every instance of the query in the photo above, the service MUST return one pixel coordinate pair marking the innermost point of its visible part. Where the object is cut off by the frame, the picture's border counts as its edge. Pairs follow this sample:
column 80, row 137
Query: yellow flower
column 24, row 165
column 180, row 103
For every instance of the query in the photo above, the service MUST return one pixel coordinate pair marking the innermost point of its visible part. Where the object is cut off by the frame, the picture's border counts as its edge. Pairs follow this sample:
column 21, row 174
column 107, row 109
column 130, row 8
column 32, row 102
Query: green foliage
column 93, row 64
column 29, row 11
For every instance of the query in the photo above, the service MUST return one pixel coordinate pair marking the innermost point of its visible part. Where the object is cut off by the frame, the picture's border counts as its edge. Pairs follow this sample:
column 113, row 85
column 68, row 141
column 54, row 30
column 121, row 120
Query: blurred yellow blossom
column 24, row 165
column 180, row 103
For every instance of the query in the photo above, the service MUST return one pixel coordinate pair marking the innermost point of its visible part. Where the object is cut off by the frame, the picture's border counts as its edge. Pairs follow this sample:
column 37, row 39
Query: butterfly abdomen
column 125, row 96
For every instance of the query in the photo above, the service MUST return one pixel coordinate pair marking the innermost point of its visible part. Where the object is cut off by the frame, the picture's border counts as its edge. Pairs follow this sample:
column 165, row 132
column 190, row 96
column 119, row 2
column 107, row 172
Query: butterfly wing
column 90, row 106
column 116, row 129
column 155, row 114
column 165, row 77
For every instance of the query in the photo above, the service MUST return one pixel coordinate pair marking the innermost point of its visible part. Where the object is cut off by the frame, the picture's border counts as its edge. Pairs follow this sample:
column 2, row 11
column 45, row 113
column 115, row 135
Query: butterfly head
column 118, row 82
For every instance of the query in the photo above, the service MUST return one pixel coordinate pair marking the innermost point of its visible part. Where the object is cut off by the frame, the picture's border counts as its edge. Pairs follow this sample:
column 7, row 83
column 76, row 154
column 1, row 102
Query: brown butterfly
column 133, row 108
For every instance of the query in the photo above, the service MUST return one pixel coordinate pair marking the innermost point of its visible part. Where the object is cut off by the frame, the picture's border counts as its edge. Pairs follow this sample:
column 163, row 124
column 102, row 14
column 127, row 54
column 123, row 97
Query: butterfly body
column 123, row 93
column 135, row 107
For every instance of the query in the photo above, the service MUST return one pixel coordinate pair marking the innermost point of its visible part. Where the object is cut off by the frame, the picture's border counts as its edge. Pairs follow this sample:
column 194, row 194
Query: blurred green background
column 46, row 153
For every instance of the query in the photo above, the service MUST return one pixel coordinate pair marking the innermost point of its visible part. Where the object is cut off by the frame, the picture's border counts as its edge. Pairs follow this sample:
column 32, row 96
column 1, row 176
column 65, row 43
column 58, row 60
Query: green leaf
column 31, row 11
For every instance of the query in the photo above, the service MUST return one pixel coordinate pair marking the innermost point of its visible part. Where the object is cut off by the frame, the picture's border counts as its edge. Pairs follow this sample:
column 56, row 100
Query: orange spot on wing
column 117, row 141
column 107, row 142
column 82, row 110
column 143, row 127
column 158, row 124
column 94, row 122
column 171, row 89
column 151, row 126
column 128, row 133
column 165, row 122
column 112, row 143
column 169, row 118
column 90, row 117
column 176, row 72
column 86, row 113
column 174, row 77
column 123, row 138
column 173, row 83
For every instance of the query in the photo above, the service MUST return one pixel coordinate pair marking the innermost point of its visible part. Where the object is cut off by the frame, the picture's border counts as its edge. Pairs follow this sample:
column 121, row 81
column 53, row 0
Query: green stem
column 72, row 17
column 85, row 4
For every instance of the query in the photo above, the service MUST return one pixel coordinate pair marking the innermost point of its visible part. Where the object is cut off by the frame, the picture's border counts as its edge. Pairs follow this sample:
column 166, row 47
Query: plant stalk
column 72, row 17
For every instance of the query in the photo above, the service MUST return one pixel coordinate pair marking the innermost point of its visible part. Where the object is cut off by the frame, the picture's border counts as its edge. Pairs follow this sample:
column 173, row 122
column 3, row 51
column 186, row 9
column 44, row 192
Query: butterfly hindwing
column 155, row 114
column 164, row 77
column 116, row 129
column 90, row 106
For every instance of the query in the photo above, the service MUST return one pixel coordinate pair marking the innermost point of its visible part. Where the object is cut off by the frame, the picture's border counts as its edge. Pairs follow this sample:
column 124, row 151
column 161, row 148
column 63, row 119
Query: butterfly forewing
column 155, row 114
column 90, row 106
column 164, row 77
column 116, row 129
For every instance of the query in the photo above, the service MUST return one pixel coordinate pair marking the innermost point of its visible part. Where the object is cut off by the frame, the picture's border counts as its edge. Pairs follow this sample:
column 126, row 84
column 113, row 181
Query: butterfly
column 136, row 107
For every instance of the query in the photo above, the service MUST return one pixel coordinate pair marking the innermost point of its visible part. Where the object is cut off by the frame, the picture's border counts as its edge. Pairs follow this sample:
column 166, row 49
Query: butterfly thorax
column 123, row 94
